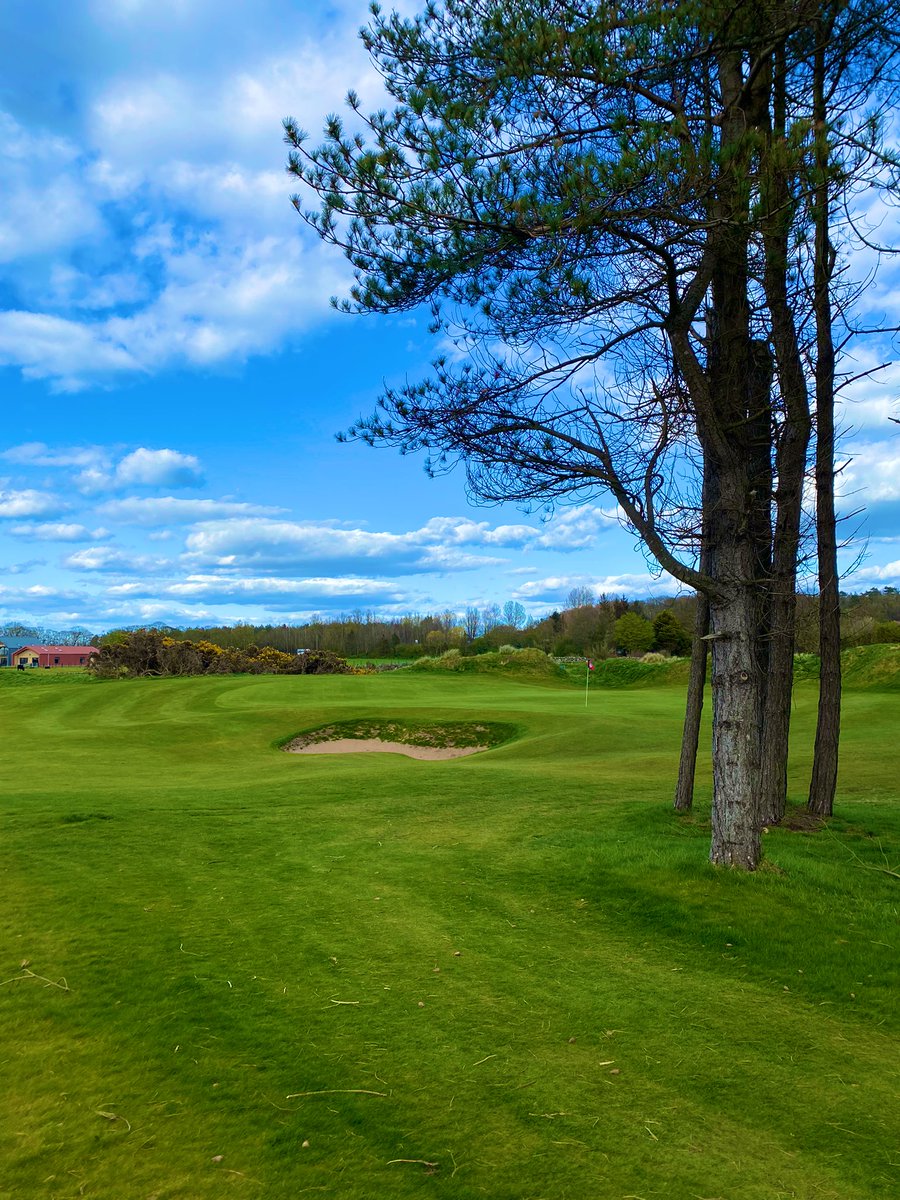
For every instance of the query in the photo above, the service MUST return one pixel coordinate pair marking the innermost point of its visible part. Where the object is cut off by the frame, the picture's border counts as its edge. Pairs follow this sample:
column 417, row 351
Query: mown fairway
column 508, row 976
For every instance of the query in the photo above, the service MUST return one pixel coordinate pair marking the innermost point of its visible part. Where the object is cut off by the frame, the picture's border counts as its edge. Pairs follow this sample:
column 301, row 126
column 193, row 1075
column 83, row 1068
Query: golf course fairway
column 232, row 971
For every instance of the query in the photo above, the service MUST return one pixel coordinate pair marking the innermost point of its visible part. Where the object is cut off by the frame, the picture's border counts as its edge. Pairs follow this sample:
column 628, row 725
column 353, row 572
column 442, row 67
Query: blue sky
column 173, row 376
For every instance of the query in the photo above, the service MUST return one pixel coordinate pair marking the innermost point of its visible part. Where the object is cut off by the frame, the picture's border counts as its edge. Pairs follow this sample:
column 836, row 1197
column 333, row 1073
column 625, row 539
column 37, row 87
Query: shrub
column 148, row 652
column 321, row 662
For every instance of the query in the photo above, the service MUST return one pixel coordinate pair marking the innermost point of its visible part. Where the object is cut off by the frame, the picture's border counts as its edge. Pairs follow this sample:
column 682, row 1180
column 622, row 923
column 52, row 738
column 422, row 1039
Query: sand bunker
column 377, row 745
column 416, row 739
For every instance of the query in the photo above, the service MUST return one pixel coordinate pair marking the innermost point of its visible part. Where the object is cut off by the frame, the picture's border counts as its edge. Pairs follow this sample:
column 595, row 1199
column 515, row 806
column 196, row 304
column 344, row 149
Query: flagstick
column 587, row 680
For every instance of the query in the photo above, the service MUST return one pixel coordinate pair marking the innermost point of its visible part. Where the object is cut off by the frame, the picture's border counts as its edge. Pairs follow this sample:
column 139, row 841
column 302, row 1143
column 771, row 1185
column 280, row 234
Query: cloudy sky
column 173, row 376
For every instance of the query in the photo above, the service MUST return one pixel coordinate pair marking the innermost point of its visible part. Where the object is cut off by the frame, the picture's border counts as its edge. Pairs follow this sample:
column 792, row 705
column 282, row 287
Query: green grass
column 524, row 952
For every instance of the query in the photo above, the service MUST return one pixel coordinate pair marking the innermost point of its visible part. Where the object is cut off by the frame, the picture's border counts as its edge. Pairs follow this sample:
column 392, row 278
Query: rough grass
column 629, row 672
column 863, row 668
column 875, row 667
column 512, row 975
column 526, row 662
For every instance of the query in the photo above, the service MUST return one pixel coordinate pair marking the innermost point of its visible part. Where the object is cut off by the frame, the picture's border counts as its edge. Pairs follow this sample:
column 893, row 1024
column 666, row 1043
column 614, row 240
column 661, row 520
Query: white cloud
column 269, row 544
column 441, row 544
column 41, row 455
column 157, row 468
column 555, row 588
column 576, row 528
column 260, row 590
column 137, row 120
column 273, row 545
column 58, row 531
column 448, row 558
column 158, row 233
column 64, row 351
column 34, row 592
column 107, row 558
column 95, row 291
column 218, row 303
column 142, row 467
column 868, row 404
column 21, row 568
column 173, row 510
column 46, row 205
column 872, row 474
column 29, row 503
column 886, row 575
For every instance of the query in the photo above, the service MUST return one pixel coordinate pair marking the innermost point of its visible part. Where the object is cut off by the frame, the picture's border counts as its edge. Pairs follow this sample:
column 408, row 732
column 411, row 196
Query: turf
column 512, row 975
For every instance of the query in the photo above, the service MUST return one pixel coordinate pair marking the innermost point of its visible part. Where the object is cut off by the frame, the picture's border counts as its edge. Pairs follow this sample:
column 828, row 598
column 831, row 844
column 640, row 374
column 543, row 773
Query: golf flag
column 587, row 679
column 590, row 664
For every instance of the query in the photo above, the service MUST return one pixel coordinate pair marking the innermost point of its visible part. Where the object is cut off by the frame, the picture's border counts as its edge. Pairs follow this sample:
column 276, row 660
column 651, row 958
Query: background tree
column 514, row 614
column 634, row 634
column 578, row 597
column 471, row 623
column 490, row 617
column 670, row 635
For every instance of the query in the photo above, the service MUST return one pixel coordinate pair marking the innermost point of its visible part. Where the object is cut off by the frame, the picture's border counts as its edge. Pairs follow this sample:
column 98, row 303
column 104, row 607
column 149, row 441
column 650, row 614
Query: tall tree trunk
column 790, row 458
column 737, row 520
column 823, row 783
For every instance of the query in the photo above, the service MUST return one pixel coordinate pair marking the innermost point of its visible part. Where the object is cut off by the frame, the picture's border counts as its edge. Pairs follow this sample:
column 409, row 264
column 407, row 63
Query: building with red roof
column 52, row 656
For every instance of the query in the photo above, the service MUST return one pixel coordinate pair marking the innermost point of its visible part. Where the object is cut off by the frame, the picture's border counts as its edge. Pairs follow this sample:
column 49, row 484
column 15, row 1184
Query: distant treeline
column 586, row 625
column 582, row 629
column 40, row 635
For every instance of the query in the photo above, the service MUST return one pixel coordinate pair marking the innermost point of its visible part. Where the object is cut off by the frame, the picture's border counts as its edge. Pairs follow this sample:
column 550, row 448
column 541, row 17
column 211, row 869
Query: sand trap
column 368, row 745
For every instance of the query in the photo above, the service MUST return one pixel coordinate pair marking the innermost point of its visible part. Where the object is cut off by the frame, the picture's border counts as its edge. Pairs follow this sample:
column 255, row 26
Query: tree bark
column 790, row 456
column 693, row 714
column 737, row 726
column 823, row 783
column 737, row 519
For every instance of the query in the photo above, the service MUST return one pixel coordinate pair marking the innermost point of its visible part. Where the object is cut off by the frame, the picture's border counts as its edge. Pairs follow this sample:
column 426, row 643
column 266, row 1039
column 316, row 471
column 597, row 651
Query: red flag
column 590, row 664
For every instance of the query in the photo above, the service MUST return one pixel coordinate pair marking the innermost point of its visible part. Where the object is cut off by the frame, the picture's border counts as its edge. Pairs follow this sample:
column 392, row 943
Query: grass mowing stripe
column 237, row 926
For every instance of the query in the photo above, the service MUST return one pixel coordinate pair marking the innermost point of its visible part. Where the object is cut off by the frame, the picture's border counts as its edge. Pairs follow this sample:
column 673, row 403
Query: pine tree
column 603, row 206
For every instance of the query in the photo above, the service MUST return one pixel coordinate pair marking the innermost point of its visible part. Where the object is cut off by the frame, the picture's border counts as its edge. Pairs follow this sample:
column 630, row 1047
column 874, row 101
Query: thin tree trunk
column 823, row 783
column 693, row 713
column 690, row 740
